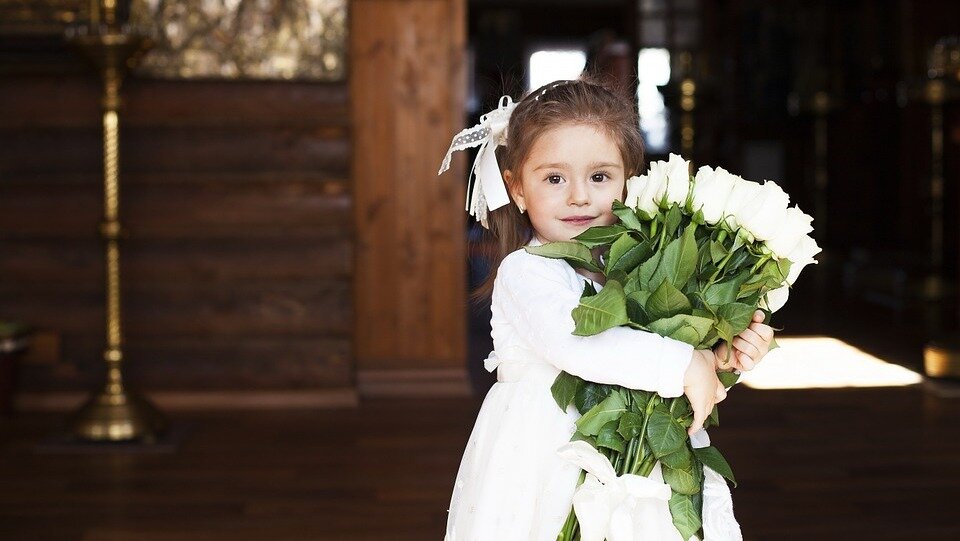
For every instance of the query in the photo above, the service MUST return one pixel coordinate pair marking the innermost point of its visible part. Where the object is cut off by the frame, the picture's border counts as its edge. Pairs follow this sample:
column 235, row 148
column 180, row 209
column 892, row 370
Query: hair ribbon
column 486, row 189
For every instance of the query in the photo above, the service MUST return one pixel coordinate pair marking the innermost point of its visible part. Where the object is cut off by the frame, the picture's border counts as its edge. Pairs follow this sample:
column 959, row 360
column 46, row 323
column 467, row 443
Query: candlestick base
column 118, row 416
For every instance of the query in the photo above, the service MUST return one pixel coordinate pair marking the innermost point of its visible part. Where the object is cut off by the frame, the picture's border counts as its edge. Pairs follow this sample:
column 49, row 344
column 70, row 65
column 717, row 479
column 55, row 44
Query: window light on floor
column 824, row 362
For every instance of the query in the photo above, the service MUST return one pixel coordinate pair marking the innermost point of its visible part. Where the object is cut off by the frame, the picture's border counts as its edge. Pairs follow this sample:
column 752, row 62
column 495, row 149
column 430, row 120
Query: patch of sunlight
column 819, row 362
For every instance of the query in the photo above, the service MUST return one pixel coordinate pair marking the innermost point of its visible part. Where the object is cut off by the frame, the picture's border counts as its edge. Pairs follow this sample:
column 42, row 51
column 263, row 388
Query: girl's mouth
column 579, row 220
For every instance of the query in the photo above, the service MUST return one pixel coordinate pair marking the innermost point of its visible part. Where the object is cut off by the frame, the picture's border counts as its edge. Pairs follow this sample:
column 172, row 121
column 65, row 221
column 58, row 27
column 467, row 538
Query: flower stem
column 570, row 526
column 722, row 265
column 639, row 456
column 631, row 455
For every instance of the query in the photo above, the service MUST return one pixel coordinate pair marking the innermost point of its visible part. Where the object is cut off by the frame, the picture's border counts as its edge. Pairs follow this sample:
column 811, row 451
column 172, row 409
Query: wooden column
column 407, row 94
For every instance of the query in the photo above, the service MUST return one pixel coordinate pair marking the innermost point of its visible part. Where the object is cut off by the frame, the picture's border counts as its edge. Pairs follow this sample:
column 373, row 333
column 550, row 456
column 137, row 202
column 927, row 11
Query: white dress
column 512, row 484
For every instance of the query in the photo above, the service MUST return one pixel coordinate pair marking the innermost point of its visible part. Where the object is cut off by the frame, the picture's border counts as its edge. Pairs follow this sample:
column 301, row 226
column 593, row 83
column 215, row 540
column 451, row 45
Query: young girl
column 564, row 153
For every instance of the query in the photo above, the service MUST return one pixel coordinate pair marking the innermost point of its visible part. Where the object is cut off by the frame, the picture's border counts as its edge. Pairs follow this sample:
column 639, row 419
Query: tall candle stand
column 113, row 413
column 941, row 355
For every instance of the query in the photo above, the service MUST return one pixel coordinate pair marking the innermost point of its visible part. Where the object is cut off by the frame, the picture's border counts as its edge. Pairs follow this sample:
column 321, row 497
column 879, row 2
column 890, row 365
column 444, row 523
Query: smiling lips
column 579, row 220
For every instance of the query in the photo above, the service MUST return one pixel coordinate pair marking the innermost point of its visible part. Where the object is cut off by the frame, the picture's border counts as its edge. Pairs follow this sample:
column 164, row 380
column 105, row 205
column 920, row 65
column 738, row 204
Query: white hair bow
column 488, row 191
column 618, row 508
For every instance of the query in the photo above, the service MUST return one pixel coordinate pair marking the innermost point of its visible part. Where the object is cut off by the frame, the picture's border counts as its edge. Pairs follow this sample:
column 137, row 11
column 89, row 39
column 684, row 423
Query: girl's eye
column 599, row 177
column 554, row 179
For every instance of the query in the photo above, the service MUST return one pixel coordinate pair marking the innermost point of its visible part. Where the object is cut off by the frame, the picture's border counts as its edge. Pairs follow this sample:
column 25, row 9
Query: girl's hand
column 702, row 387
column 748, row 347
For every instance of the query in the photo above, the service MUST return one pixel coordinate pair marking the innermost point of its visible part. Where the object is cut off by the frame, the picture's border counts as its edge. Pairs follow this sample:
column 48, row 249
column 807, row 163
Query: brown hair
column 581, row 101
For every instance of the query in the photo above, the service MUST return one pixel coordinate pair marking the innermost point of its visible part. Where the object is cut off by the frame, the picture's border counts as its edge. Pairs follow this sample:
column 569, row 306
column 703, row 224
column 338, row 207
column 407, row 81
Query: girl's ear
column 515, row 188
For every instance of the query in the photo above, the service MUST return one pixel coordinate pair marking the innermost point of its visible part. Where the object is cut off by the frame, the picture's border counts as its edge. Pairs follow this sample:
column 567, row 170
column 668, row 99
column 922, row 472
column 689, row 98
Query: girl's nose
column 579, row 195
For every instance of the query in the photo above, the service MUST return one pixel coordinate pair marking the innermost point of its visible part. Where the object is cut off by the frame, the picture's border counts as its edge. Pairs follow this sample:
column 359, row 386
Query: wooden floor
column 852, row 464
column 876, row 464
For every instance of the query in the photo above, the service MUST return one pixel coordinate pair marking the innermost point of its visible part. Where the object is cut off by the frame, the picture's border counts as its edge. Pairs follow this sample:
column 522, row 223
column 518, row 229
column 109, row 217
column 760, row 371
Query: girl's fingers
column 746, row 347
column 763, row 331
column 752, row 336
column 721, row 393
column 698, row 418
column 746, row 361
column 758, row 316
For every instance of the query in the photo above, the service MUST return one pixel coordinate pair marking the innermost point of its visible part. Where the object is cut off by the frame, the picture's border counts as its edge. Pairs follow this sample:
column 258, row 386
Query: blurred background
column 233, row 290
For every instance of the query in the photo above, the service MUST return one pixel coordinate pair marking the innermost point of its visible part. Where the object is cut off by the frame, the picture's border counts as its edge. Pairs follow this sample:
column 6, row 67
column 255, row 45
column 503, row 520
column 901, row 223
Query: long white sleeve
column 534, row 295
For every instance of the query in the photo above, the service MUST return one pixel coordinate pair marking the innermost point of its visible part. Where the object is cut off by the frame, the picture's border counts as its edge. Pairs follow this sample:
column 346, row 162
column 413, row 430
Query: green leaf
column 664, row 433
column 647, row 269
column 684, row 514
column 721, row 293
column 639, row 400
column 633, row 282
column 588, row 290
column 684, row 327
column 679, row 459
column 667, row 301
column 590, row 394
column 717, row 251
column 711, row 456
column 577, row 436
column 605, row 310
column 627, row 215
column 610, row 438
column 728, row 379
column 630, row 425
column 564, row 388
column 635, row 309
column 619, row 247
column 725, row 330
column 698, row 217
column 610, row 409
column 783, row 269
column 682, row 481
column 600, row 235
column 773, row 344
column 572, row 252
column 673, row 220
column 679, row 260
column 628, row 254
column 739, row 315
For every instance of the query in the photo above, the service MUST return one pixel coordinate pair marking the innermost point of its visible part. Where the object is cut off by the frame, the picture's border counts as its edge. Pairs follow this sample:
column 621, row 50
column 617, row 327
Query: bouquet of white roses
column 691, row 258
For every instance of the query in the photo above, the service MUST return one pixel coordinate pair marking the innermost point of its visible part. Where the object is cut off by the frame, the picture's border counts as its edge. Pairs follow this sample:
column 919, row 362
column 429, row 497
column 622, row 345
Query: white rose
column 634, row 185
column 802, row 256
column 648, row 189
column 741, row 196
column 796, row 225
column 776, row 298
column 711, row 188
column 677, row 185
column 764, row 214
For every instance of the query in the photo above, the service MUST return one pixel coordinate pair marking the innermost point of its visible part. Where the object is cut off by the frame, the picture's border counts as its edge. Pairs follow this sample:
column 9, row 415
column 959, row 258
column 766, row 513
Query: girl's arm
column 535, row 297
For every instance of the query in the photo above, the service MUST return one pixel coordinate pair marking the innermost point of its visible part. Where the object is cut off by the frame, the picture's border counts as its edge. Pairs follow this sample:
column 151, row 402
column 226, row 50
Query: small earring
column 522, row 208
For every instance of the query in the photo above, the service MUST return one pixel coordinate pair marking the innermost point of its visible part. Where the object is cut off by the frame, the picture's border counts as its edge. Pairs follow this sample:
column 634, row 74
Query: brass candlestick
column 688, row 91
column 113, row 413
column 943, row 72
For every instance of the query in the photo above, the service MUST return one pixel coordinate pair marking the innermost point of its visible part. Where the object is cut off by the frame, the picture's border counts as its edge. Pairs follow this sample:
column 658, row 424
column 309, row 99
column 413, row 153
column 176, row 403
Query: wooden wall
column 236, row 198
column 281, row 236
column 407, row 100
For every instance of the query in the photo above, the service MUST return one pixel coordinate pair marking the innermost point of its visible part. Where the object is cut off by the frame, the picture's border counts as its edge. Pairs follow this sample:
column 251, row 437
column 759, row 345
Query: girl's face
column 569, row 181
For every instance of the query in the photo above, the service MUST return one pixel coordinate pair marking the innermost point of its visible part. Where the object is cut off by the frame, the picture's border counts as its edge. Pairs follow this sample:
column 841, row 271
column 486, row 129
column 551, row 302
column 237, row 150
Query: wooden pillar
column 407, row 101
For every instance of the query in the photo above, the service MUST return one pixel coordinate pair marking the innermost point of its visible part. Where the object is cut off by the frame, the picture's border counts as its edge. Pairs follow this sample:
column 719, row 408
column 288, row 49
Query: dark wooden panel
column 213, row 209
column 237, row 203
column 70, row 150
column 406, row 83
column 210, row 362
column 236, row 309
column 29, row 102
column 39, row 262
